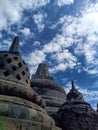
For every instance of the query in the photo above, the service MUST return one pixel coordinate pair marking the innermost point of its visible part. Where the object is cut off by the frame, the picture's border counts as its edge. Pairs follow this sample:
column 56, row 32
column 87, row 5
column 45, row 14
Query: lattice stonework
column 11, row 64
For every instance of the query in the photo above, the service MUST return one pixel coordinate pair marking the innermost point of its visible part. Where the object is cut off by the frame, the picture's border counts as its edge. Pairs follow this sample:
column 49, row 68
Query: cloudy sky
column 61, row 33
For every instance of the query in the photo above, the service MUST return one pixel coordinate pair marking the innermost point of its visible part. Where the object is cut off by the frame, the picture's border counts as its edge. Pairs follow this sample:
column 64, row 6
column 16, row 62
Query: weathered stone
column 76, row 114
column 15, row 44
column 14, row 76
column 21, row 108
column 52, row 93
column 7, row 123
column 42, row 71
column 74, row 94
column 97, row 107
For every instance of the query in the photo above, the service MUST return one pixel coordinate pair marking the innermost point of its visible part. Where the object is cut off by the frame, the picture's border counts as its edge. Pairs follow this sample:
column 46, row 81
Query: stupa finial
column 73, row 86
column 42, row 70
column 97, row 106
column 15, row 45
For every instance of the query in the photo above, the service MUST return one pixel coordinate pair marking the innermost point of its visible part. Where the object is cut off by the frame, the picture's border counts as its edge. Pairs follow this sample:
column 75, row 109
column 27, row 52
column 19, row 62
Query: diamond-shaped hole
column 15, row 58
column 14, row 68
column 5, row 55
column 20, row 65
column 26, row 69
column 18, row 77
column 24, row 63
column 9, row 60
column 26, row 81
column 23, row 73
column 6, row 73
column 2, row 65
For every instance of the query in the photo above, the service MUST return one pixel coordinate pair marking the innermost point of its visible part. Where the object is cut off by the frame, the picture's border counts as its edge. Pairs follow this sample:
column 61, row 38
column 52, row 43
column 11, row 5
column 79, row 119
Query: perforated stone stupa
column 21, row 108
column 52, row 93
column 76, row 114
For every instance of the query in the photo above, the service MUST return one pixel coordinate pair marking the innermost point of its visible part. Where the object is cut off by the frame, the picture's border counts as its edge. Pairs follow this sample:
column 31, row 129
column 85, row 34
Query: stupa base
column 7, row 123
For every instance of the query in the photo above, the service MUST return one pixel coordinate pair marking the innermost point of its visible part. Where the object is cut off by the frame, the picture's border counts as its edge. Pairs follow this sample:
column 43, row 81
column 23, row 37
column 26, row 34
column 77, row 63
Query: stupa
column 97, row 107
column 52, row 93
column 21, row 108
column 76, row 113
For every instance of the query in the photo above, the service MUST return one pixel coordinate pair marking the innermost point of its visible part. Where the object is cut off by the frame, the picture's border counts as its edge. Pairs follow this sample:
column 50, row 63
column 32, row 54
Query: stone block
column 4, row 109
column 18, row 124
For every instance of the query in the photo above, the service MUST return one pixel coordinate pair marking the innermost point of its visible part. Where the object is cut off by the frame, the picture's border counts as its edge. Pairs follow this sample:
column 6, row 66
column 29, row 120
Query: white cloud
column 63, row 61
column 36, row 43
column 90, row 70
column 65, row 2
column 6, row 45
column 58, row 43
column 58, row 54
column 39, row 20
column 25, row 31
column 59, row 67
column 65, row 55
column 0, row 35
column 80, row 32
column 36, row 57
column 83, row 32
column 11, row 11
column 33, row 59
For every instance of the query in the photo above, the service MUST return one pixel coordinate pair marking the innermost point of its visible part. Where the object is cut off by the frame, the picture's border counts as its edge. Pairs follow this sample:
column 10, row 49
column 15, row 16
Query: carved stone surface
column 15, row 76
column 20, row 106
column 42, row 71
column 74, row 94
column 76, row 114
column 97, row 107
column 52, row 93
column 15, row 107
column 7, row 123
column 15, row 44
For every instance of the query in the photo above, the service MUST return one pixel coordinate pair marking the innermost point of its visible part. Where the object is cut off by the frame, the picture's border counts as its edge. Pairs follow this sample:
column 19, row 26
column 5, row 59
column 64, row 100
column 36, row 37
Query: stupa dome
column 76, row 113
column 52, row 93
column 12, row 67
column 15, row 75
column 20, row 106
column 74, row 94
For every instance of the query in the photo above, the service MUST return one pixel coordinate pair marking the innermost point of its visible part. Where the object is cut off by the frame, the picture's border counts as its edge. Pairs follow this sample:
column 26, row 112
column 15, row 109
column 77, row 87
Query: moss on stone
column 2, row 123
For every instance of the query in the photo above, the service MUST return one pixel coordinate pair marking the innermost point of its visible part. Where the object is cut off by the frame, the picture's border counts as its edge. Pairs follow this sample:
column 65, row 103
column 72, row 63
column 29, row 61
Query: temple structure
column 97, row 107
column 21, row 108
column 39, row 104
column 51, row 92
column 76, row 114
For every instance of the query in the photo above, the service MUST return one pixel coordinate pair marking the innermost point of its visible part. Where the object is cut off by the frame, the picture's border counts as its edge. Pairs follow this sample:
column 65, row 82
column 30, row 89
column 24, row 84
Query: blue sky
column 61, row 33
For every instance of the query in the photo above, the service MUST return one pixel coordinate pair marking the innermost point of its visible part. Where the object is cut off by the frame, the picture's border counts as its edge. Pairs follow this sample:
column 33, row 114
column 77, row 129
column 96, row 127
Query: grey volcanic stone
column 21, row 108
column 52, row 93
column 42, row 71
column 15, row 44
column 15, row 75
column 74, row 94
column 97, row 107
column 76, row 114
column 7, row 123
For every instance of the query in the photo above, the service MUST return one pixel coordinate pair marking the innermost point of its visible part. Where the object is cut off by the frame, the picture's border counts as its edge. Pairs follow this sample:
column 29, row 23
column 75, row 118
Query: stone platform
column 19, row 124
column 20, row 114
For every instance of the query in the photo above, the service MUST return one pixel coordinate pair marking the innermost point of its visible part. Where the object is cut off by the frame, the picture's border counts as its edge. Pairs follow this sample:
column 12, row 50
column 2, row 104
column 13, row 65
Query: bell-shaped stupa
column 52, row 93
column 21, row 108
column 76, row 113
column 74, row 94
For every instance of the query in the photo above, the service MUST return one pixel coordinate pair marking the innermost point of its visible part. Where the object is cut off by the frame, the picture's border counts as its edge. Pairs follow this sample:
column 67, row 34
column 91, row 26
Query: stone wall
column 18, row 124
